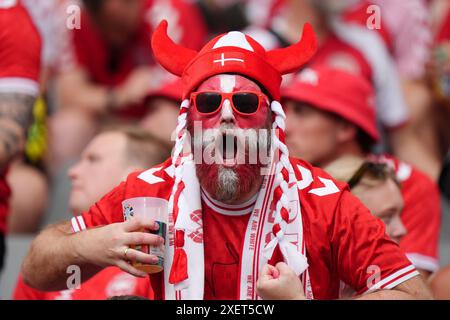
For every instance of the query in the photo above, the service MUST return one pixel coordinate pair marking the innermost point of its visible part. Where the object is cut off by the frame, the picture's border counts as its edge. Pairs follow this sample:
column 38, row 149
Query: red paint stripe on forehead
column 240, row 83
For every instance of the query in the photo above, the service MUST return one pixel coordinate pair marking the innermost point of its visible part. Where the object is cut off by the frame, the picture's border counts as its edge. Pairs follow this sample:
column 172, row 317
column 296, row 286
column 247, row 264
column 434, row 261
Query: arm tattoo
column 15, row 118
column 18, row 107
column 10, row 140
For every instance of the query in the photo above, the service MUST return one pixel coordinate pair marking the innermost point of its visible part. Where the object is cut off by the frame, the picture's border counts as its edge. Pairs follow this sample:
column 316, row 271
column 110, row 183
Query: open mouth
column 228, row 148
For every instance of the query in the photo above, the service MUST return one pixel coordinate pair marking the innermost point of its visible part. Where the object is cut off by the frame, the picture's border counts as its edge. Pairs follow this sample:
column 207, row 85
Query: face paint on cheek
column 206, row 122
column 256, row 121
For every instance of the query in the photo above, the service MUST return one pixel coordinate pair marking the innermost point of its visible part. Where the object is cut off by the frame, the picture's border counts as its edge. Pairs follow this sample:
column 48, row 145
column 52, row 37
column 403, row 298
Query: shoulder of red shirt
column 421, row 215
column 20, row 51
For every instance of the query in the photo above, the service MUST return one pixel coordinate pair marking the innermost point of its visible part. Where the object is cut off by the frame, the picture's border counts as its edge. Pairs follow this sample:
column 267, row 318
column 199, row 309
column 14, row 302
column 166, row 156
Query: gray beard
column 228, row 182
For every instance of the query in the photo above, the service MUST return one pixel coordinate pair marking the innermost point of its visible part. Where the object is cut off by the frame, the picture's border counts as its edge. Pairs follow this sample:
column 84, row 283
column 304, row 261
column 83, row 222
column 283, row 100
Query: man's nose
column 398, row 229
column 73, row 171
column 227, row 114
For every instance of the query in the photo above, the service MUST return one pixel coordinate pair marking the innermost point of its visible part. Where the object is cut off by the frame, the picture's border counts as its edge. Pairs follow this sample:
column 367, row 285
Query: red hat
column 233, row 52
column 349, row 96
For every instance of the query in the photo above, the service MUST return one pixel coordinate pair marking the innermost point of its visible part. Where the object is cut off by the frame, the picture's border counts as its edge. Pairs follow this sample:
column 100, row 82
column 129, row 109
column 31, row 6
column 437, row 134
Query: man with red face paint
column 231, row 213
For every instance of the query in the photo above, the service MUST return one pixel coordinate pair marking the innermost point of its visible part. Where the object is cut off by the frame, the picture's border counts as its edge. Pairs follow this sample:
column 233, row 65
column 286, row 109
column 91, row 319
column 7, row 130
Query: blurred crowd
column 372, row 108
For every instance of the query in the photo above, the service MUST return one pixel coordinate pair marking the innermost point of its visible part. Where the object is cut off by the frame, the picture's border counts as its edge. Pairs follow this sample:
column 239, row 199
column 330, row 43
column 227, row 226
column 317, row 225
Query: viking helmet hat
column 231, row 53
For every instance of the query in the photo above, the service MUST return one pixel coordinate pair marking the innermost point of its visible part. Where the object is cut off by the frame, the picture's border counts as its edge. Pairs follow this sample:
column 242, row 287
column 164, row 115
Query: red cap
column 232, row 52
column 349, row 96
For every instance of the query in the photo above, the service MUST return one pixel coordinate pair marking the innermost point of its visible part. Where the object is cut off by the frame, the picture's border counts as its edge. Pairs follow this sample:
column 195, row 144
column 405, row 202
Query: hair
column 345, row 167
column 142, row 147
column 365, row 142
column 342, row 169
column 93, row 6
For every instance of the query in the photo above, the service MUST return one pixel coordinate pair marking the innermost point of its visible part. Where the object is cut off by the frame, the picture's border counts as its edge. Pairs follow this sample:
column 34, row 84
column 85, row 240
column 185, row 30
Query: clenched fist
column 279, row 283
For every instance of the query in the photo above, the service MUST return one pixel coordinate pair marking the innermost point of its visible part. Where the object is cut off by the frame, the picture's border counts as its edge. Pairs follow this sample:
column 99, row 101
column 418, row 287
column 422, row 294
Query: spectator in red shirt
column 332, row 115
column 114, row 70
column 20, row 61
column 95, row 174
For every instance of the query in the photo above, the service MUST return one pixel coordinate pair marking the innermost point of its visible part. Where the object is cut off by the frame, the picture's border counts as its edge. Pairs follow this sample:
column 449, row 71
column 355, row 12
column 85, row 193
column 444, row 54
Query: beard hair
column 228, row 184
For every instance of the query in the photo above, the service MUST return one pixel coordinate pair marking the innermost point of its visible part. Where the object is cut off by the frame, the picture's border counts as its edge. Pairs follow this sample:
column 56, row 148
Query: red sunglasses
column 245, row 103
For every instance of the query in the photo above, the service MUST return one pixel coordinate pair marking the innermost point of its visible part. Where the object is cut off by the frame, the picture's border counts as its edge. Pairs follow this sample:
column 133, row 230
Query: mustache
column 246, row 145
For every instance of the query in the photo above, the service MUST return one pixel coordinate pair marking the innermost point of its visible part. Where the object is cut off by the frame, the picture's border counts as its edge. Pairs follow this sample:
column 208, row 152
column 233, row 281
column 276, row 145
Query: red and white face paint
column 229, row 168
column 231, row 83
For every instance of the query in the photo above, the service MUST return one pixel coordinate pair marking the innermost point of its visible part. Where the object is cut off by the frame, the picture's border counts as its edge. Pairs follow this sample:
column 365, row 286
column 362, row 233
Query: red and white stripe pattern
column 78, row 224
column 282, row 171
column 283, row 174
column 227, row 209
column 394, row 279
column 177, row 155
column 178, row 271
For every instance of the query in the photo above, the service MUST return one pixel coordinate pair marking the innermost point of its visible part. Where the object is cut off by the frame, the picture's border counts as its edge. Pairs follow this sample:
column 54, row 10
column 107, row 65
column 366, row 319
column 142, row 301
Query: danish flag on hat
column 233, row 52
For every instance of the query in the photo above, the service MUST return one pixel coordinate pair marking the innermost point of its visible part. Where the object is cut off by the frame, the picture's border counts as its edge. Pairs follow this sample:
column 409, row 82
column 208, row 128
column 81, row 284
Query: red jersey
column 20, row 50
column 421, row 216
column 107, row 283
column 111, row 68
column 343, row 240
column 222, row 257
column 20, row 60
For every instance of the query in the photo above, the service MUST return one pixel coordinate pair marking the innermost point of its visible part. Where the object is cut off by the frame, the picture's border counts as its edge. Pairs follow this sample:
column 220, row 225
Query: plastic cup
column 153, row 209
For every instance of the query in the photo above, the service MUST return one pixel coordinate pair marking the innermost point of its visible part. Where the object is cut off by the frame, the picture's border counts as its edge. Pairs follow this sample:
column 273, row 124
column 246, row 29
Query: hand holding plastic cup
column 153, row 209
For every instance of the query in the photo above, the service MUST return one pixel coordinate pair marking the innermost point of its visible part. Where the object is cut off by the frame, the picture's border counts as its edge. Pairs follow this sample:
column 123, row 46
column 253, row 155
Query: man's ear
column 346, row 132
